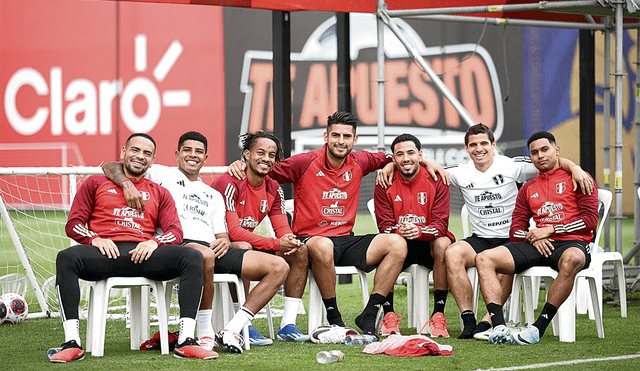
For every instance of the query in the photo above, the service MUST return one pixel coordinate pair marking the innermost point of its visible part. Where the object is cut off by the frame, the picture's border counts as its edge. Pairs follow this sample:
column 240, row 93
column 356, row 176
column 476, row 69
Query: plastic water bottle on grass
column 360, row 339
column 52, row 351
column 329, row 356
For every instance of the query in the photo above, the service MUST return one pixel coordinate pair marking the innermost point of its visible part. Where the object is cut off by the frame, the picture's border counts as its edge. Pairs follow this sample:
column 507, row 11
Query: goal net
column 34, row 207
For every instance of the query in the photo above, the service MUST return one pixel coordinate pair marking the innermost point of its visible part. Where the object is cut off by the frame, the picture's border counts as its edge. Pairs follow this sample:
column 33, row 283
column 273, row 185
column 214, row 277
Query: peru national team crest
column 347, row 176
column 263, row 206
column 561, row 187
column 422, row 198
column 145, row 195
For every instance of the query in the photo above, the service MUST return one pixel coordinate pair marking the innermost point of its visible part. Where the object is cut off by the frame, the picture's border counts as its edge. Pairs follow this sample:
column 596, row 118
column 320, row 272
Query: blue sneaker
column 256, row 339
column 291, row 333
column 530, row 335
column 500, row 335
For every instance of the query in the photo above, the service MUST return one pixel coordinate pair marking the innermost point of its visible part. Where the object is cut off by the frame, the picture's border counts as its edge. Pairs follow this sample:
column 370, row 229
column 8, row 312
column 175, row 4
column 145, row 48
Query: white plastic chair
column 417, row 281
column 223, row 305
column 564, row 322
column 139, row 331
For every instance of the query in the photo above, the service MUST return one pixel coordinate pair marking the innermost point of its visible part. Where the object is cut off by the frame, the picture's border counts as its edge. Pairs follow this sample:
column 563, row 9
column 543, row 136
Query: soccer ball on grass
column 16, row 308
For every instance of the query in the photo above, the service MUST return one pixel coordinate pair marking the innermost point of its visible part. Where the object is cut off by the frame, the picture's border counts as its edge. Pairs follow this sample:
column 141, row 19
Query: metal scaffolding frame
column 588, row 8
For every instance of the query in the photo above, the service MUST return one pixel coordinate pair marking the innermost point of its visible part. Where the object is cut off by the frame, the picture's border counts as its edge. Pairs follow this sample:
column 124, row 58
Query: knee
column 320, row 248
column 439, row 247
column 281, row 269
column 301, row 257
column 571, row 262
column 453, row 255
column 484, row 262
column 397, row 244
column 208, row 260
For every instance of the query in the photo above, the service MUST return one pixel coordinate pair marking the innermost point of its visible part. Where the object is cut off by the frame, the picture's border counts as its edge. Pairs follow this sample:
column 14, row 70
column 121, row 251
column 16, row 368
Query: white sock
column 72, row 330
column 290, row 312
column 187, row 329
column 241, row 318
column 205, row 328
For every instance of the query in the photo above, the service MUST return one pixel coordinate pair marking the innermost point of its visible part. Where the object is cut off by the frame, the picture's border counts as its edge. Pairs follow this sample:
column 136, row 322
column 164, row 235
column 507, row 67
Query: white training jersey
column 200, row 208
column 490, row 196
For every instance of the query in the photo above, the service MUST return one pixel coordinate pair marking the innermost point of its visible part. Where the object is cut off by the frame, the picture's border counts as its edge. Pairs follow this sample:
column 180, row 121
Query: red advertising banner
column 81, row 76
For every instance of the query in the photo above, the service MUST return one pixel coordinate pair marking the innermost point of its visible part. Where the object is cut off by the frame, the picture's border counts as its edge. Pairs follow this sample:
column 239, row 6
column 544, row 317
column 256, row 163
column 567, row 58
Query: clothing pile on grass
column 408, row 346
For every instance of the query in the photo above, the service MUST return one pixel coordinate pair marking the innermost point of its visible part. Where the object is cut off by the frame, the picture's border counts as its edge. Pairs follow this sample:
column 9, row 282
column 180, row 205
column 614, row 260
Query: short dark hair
column 542, row 135
column 192, row 135
column 479, row 129
column 406, row 138
column 248, row 140
column 344, row 118
column 144, row 135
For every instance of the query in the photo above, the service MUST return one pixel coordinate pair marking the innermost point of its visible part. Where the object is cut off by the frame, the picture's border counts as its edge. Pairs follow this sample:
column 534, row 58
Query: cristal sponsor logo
column 128, row 223
column 412, row 218
column 488, row 196
column 88, row 108
column 194, row 209
column 128, row 212
column 248, row 222
column 549, row 208
column 557, row 217
column 491, row 210
column 495, row 224
column 334, row 194
column 333, row 210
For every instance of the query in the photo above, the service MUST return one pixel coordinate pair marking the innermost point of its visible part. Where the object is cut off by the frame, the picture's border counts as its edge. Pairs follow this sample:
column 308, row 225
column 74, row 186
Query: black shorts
column 526, row 256
column 352, row 250
column 418, row 252
column 231, row 262
column 479, row 244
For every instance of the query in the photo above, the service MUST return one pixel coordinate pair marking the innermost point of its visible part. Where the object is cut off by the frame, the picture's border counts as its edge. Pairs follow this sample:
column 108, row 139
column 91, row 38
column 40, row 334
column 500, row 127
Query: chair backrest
column 372, row 210
column 464, row 217
column 604, row 201
column 288, row 207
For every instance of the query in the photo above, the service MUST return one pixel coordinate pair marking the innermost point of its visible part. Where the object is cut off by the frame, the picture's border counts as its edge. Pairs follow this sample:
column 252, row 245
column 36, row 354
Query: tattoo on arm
column 115, row 173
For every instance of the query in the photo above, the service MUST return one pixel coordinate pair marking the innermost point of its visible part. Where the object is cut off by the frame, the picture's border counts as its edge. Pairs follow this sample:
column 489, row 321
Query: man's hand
column 433, row 168
column 409, row 231
column 385, row 175
column 544, row 246
column 236, row 169
column 220, row 246
column 537, row 234
column 132, row 195
column 106, row 247
column 289, row 244
column 580, row 178
column 143, row 251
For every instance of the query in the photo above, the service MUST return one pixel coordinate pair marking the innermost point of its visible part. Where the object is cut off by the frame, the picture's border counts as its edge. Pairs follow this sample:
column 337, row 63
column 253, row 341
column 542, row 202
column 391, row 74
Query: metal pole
column 500, row 8
column 587, row 102
column 607, row 125
column 506, row 21
column 380, row 57
column 415, row 54
column 636, row 170
column 281, row 38
column 344, row 63
column 618, row 145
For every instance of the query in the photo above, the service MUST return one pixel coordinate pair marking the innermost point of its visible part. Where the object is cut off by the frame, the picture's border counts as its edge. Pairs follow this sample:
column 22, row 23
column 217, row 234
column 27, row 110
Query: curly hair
column 249, row 139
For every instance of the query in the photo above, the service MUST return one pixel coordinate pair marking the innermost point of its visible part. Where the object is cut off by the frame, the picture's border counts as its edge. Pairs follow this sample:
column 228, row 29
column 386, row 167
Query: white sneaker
column 331, row 334
column 232, row 341
column 207, row 342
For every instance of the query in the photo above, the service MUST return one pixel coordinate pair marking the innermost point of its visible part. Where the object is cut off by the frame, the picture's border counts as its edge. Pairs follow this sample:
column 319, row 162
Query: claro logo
column 87, row 108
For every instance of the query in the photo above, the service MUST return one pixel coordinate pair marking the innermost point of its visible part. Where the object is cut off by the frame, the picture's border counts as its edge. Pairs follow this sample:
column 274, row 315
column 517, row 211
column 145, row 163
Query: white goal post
column 34, row 207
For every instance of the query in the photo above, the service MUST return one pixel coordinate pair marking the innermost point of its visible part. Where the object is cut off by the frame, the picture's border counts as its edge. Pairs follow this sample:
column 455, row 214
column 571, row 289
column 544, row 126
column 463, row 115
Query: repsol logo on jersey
column 488, row 196
column 334, row 194
column 492, row 211
column 549, row 208
column 248, row 222
column 495, row 224
column 412, row 218
column 333, row 210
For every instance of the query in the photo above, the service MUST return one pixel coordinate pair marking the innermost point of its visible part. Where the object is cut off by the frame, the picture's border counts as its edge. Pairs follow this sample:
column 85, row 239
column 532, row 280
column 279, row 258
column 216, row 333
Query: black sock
column 495, row 312
column 547, row 314
column 481, row 327
column 387, row 306
column 333, row 314
column 469, row 324
column 439, row 301
column 366, row 319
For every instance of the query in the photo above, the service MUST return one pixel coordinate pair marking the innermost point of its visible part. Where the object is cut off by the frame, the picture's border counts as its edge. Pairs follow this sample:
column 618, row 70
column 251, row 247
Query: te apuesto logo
column 87, row 108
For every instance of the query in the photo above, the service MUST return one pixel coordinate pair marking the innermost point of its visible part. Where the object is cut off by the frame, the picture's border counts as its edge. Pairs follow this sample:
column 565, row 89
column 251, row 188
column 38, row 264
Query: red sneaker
column 71, row 351
column 437, row 326
column 390, row 324
column 191, row 349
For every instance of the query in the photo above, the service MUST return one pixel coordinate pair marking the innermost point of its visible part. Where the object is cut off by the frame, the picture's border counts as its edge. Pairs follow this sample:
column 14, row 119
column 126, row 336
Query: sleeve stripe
column 520, row 234
column 522, row 159
column 83, row 231
column 281, row 193
column 228, row 195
